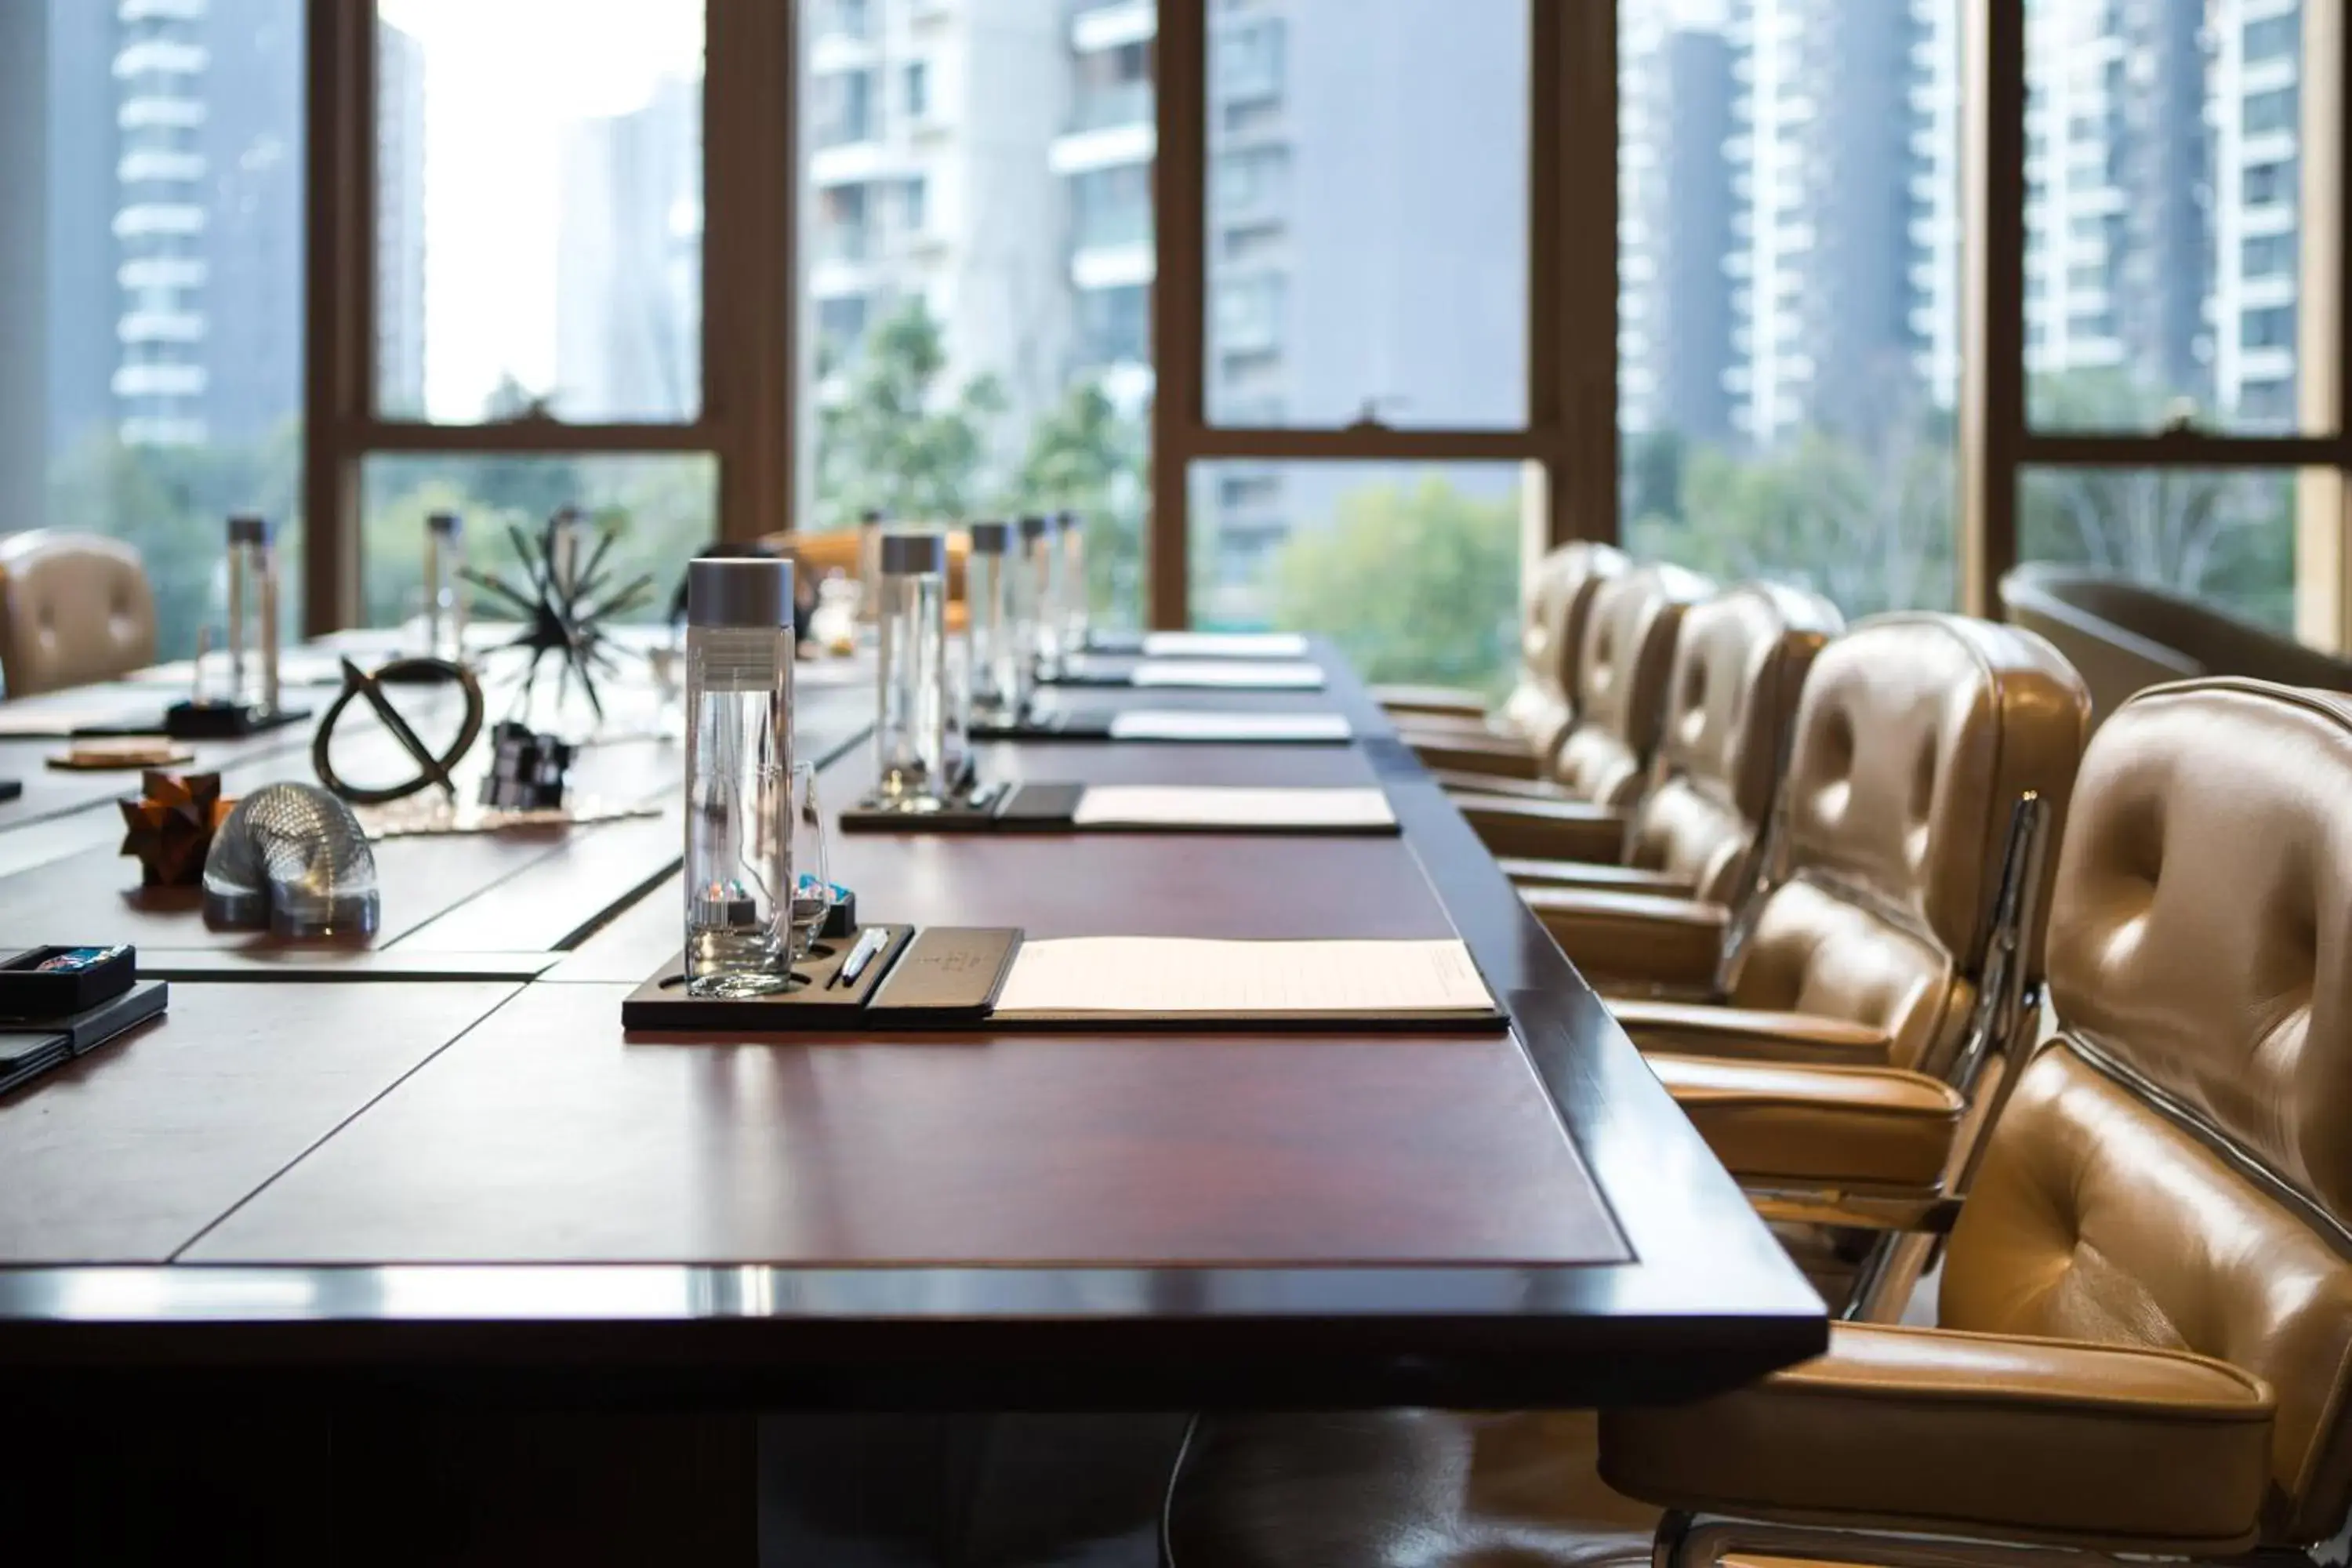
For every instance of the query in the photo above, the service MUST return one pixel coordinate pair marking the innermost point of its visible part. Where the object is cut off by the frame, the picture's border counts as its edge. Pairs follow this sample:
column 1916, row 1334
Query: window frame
column 750, row 332
column 1998, row 440
column 1567, row 442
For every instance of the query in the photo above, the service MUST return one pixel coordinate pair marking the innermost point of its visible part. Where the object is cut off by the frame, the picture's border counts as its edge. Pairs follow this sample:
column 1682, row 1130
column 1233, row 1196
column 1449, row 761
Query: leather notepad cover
column 951, row 975
column 1060, row 724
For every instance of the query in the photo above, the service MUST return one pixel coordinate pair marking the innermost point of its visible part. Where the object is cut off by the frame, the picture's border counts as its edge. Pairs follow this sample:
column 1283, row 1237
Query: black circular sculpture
column 432, row 768
column 564, row 605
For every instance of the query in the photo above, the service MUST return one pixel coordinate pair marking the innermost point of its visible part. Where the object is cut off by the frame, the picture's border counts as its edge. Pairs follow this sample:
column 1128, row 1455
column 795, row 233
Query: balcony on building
column 1099, row 25
column 1112, row 111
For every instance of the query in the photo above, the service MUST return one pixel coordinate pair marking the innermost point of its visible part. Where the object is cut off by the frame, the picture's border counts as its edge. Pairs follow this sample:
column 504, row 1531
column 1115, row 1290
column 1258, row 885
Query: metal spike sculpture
column 564, row 606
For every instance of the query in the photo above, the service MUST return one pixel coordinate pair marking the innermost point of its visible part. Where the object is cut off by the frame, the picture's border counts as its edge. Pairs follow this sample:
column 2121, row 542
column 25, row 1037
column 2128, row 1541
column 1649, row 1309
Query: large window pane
column 978, row 241
column 150, row 277
column 664, row 509
column 1367, row 228
column 2223, row 536
column 539, row 210
column 1412, row 568
column 2162, row 208
column 1789, row 256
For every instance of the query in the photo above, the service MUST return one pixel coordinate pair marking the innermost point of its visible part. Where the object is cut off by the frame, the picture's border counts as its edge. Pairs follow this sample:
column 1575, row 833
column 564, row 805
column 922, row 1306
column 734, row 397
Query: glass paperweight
column 292, row 860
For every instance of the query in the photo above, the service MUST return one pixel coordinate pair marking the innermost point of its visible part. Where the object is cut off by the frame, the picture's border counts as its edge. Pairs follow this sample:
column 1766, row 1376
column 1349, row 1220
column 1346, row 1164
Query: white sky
column 502, row 80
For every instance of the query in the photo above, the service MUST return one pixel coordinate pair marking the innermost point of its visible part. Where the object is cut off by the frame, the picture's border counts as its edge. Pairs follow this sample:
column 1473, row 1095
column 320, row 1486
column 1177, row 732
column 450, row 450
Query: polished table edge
column 1708, row 1294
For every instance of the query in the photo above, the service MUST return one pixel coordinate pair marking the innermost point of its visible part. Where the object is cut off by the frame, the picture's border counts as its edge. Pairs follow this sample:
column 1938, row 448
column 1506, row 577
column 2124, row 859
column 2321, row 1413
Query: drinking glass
column 813, row 894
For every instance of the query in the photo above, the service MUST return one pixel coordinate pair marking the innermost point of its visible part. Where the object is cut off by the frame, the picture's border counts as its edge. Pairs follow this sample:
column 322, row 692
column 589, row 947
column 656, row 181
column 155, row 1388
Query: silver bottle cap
column 991, row 538
column 739, row 592
column 908, row 553
column 248, row 530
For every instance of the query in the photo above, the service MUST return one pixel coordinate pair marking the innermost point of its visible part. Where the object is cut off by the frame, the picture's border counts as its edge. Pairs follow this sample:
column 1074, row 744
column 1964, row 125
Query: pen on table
column 868, row 943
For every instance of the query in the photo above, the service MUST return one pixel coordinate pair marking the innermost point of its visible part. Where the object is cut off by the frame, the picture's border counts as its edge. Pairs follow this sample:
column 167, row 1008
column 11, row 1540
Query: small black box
column 52, row 981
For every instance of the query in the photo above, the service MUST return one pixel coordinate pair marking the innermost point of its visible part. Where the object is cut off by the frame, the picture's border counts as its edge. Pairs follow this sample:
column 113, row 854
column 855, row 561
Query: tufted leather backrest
column 2176, row 1170
column 1916, row 736
column 1542, row 706
column 1625, row 657
column 1740, row 666
column 74, row 608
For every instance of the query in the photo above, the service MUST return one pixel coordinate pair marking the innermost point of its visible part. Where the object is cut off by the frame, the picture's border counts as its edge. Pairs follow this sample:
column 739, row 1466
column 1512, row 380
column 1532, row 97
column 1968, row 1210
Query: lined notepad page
column 1199, row 724
column 57, row 723
column 1156, row 976
column 1223, row 645
column 1230, row 673
column 1218, row 805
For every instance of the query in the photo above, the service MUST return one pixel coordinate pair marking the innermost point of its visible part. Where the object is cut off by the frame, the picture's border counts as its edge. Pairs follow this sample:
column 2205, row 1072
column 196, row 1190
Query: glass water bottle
column 252, row 615
column 910, row 731
column 739, row 760
column 1038, row 600
column 1075, row 627
column 445, row 591
column 994, row 662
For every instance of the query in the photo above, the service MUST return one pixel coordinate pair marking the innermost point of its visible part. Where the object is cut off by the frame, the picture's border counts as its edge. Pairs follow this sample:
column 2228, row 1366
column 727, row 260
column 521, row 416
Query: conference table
column 427, row 1196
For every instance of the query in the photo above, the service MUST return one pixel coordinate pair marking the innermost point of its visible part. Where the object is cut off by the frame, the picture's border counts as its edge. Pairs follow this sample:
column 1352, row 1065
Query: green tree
column 894, row 440
column 2214, row 535
column 1414, row 582
column 1087, row 458
column 1870, row 527
column 172, row 503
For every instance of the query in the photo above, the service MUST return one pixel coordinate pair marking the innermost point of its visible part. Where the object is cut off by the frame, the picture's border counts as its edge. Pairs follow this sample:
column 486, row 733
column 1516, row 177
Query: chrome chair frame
column 1701, row 1540
column 1911, row 1224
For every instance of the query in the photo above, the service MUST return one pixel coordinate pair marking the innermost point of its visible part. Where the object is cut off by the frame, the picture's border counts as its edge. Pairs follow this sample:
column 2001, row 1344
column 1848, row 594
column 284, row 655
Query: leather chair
column 2145, row 1339
column 1840, row 1039
column 819, row 555
column 1624, row 659
column 2144, row 1319
column 1739, row 665
column 1916, row 737
column 75, row 608
column 2125, row 635
column 1542, row 706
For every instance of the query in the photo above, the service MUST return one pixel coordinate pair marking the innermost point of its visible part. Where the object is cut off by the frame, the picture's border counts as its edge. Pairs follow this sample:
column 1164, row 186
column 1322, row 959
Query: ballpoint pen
column 870, row 942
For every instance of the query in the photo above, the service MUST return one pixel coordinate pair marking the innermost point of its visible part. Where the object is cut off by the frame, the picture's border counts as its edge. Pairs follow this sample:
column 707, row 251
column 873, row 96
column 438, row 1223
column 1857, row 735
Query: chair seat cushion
column 1923, row 1429
column 1821, row 1126
column 1702, row 1029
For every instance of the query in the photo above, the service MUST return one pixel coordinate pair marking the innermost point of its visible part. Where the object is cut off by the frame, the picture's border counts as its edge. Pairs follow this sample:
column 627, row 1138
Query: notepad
column 1223, row 645
column 1203, row 805
column 1201, row 724
column 1110, row 976
column 1229, row 675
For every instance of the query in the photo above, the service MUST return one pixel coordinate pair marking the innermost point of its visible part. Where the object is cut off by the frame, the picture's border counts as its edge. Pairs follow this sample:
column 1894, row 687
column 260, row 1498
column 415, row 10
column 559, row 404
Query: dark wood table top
column 512, row 1190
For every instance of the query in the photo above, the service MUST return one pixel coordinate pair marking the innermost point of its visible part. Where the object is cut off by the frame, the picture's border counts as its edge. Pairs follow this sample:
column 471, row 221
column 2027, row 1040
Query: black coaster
column 941, row 976
column 1061, row 724
column 12, row 789
column 28, row 1050
column 982, row 809
column 208, row 722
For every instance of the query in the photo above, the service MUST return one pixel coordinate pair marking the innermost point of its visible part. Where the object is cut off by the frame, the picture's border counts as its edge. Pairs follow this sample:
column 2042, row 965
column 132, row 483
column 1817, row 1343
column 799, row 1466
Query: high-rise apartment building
column 628, row 281
column 2257, row 70
column 399, row 223
column 207, row 221
column 928, row 131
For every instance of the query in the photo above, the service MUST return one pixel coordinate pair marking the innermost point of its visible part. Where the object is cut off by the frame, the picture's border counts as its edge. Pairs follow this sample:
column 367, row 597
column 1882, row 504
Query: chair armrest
column 1469, row 753
column 1981, row 1434
column 1544, row 830
column 1817, row 1126
column 1600, row 878
column 1632, row 937
column 1497, row 785
column 1438, row 700
column 1701, row 1030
